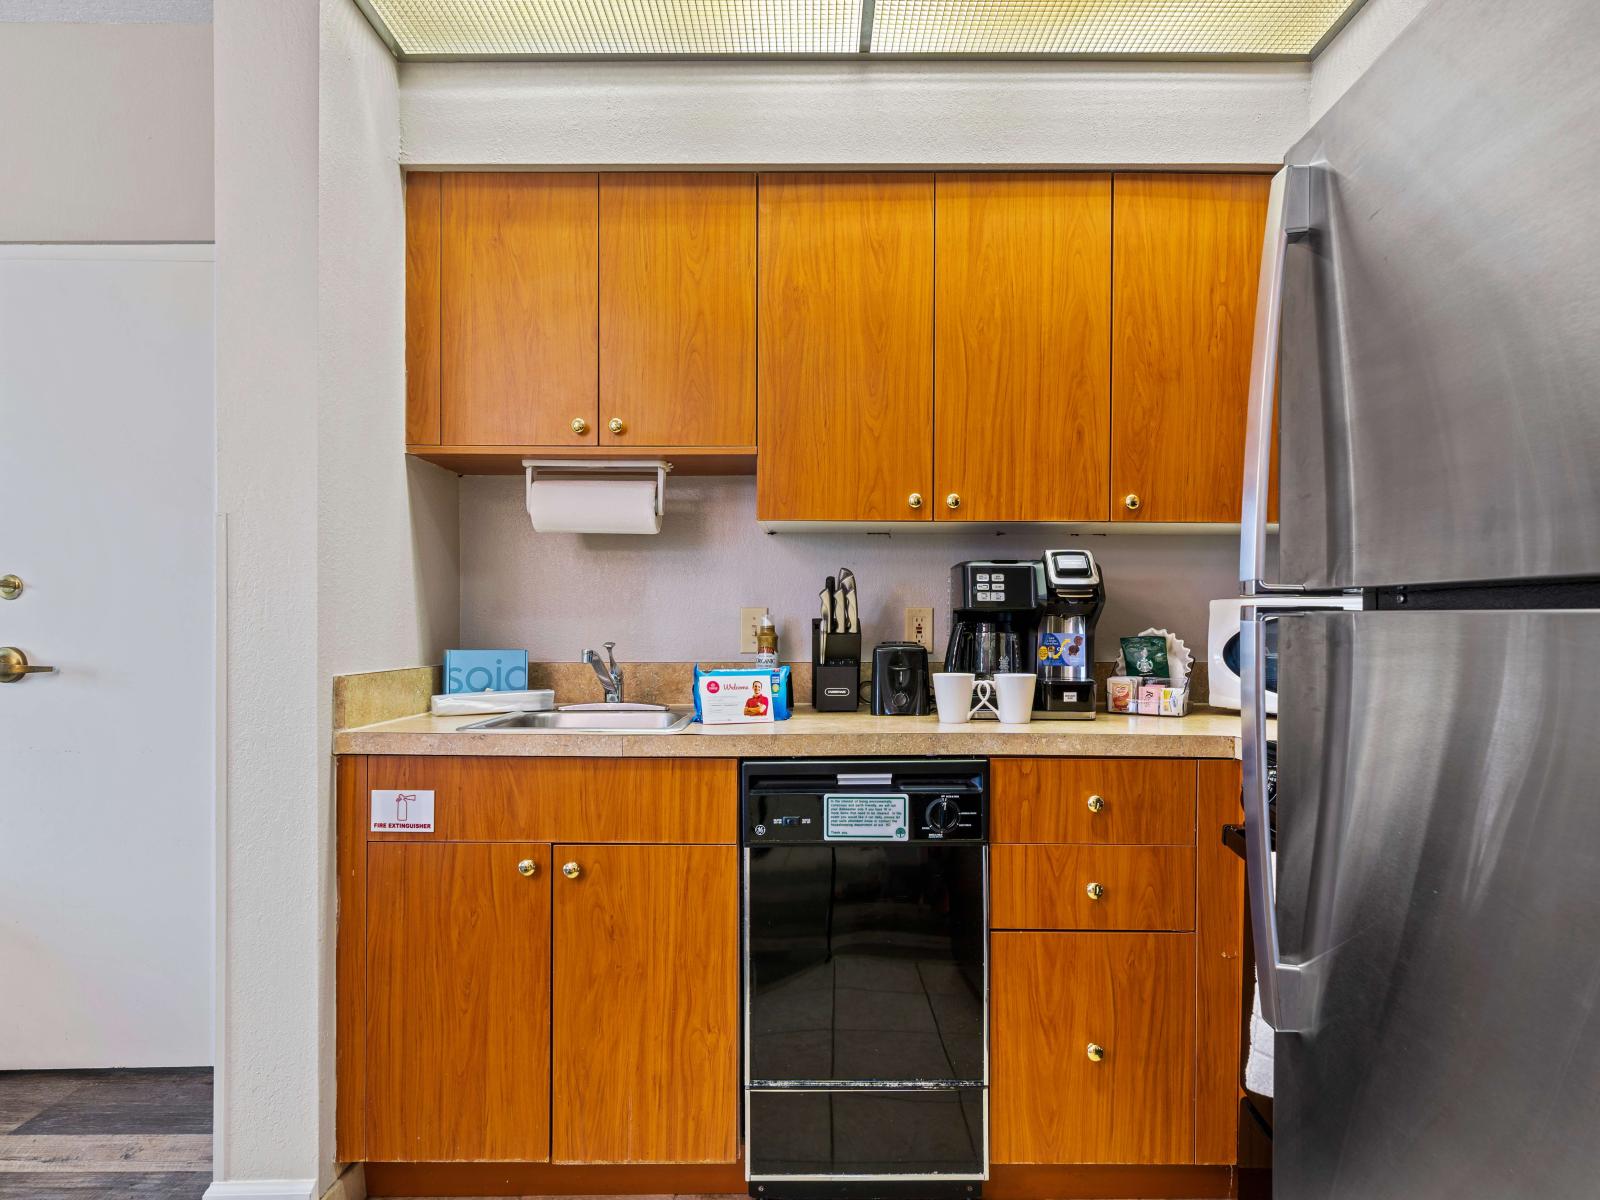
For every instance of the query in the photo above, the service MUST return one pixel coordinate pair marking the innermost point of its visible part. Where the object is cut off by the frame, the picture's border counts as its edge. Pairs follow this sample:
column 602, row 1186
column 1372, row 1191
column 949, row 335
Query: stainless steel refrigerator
column 1430, row 953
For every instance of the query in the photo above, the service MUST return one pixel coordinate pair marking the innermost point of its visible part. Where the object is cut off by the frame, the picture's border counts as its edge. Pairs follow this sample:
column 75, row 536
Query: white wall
column 105, row 133
column 1346, row 58
column 676, row 596
column 342, row 557
column 623, row 114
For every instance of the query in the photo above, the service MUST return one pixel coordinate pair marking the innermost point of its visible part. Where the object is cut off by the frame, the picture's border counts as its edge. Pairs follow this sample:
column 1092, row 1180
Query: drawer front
column 1091, row 887
column 1096, row 801
column 1093, row 1048
column 645, row 800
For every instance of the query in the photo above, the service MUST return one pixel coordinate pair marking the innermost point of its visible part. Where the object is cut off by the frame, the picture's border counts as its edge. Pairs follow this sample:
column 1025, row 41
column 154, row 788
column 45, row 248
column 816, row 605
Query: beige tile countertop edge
column 812, row 734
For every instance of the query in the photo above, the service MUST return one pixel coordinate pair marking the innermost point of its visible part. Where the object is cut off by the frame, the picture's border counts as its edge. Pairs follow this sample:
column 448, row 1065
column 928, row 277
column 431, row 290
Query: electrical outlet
column 919, row 626
column 749, row 622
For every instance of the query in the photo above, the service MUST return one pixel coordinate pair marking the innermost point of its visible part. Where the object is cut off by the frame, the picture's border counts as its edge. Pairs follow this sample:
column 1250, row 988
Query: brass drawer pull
column 571, row 870
column 1095, row 891
column 1097, row 804
column 527, row 868
column 1096, row 1053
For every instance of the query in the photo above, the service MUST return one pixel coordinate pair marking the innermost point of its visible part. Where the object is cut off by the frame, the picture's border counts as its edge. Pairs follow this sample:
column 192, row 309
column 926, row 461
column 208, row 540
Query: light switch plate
column 749, row 622
column 919, row 627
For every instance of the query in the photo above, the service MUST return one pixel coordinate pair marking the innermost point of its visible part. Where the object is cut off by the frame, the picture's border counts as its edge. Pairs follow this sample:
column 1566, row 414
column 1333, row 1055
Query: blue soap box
column 485, row 671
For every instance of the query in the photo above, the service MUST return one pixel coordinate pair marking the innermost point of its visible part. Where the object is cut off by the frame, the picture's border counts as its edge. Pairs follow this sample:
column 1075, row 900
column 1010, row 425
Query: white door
column 107, row 468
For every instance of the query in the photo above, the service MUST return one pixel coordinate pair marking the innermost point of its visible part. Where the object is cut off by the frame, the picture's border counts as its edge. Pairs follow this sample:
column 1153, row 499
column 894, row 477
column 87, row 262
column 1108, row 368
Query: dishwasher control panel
column 862, row 802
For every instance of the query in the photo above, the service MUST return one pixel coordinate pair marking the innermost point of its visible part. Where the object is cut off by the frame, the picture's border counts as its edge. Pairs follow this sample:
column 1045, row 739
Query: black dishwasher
column 865, row 977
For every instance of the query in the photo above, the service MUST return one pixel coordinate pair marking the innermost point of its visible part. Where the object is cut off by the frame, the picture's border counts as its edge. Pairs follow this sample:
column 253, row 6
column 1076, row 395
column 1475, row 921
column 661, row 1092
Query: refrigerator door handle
column 1283, row 993
column 1288, row 219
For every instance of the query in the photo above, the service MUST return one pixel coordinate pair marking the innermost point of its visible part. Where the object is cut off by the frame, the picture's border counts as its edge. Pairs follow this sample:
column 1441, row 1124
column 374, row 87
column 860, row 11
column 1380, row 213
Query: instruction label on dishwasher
column 876, row 818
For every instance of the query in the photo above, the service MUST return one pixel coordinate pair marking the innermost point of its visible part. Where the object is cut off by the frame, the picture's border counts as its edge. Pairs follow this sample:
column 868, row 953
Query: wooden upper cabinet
column 646, row 1014
column 846, row 347
column 1022, row 354
column 1187, row 250
column 458, row 1002
column 422, row 309
column 519, row 332
column 678, row 309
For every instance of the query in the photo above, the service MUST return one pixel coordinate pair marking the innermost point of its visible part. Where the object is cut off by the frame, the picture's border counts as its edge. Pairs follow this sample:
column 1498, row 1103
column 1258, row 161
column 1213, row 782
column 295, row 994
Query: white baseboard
column 263, row 1189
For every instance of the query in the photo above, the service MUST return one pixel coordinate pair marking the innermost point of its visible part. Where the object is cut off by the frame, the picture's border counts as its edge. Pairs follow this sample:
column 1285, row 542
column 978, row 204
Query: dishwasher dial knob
column 943, row 815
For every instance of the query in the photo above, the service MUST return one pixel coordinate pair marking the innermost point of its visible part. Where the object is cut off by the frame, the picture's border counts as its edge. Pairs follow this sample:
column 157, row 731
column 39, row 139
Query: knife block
column 836, row 677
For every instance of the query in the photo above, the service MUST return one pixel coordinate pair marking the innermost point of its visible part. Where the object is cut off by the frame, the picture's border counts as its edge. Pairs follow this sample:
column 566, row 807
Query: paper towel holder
column 611, row 468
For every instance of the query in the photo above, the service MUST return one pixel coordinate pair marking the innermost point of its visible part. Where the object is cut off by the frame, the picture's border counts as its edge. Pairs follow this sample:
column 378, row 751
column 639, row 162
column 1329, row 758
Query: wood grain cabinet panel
column 1055, row 994
column 519, row 344
column 1224, row 981
column 1091, row 887
column 646, row 1021
column 1096, row 801
column 845, row 368
column 458, row 1002
column 423, row 192
column 1022, row 347
column 1187, row 251
column 678, row 309
column 561, row 799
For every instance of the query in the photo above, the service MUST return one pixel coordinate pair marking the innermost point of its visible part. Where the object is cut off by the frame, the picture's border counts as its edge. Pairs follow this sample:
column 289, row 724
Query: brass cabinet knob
column 10, row 587
column 953, row 500
column 14, row 666
column 1095, row 1052
column 571, row 870
column 616, row 425
column 579, row 425
column 914, row 500
column 1095, row 891
column 1131, row 502
column 527, row 868
column 1096, row 803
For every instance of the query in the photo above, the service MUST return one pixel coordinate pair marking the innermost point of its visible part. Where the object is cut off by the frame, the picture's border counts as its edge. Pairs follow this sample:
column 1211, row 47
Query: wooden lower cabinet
column 1053, row 996
column 646, row 1028
column 458, row 1002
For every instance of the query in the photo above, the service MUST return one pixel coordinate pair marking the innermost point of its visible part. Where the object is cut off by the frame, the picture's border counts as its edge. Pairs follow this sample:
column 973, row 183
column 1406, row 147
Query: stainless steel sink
column 594, row 720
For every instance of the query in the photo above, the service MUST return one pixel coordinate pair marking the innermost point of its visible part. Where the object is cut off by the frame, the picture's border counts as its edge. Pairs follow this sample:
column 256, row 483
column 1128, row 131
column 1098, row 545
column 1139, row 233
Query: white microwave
column 1222, row 644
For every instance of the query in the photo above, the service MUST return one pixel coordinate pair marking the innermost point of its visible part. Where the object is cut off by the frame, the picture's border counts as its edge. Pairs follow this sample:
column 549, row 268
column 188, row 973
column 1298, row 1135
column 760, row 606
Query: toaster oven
column 1222, row 643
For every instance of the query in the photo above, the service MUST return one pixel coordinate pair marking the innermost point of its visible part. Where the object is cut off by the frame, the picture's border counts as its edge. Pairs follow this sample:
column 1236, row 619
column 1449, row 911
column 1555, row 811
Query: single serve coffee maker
column 1030, row 614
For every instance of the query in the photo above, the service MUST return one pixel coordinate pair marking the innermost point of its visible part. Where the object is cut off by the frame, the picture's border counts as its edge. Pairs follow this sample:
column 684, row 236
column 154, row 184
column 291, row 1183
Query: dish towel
column 1258, row 1067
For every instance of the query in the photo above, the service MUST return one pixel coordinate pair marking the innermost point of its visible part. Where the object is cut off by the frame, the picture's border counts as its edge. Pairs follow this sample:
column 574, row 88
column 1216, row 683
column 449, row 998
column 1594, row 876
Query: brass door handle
column 953, row 500
column 1131, row 502
column 1096, row 1053
column 571, row 870
column 10, row 587
column 1095, row 891
column 14, row 666
column 1096, row 804
column 580, row 426
column 527, row 868
column 616, row 425
column 914, row 500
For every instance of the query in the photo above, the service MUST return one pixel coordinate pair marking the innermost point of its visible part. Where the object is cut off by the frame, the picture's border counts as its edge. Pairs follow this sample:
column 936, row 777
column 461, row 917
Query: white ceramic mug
column 1013, row 693
column 952, row 695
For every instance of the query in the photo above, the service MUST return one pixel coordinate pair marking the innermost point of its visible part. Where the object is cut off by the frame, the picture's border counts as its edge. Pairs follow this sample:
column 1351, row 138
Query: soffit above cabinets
column 1074, row 29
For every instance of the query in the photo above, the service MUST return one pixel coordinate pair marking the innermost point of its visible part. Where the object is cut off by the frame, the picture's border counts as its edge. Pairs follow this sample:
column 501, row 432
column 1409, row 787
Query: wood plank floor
column 80, row 1135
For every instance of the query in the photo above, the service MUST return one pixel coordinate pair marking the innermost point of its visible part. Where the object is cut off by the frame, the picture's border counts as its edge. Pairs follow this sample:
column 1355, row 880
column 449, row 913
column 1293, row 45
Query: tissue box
column 734, row 697
column 485, row 671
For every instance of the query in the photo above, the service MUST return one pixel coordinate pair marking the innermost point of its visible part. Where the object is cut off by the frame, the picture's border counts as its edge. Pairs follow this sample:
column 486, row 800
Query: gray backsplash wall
column 676, row 596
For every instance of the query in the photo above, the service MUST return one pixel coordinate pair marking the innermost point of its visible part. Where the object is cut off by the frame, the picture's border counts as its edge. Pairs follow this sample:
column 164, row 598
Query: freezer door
column 1439, row 418
column 1439, row 883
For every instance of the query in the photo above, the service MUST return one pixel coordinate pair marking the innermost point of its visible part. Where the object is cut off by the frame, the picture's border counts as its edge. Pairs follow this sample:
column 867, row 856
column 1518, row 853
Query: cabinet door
column 1054, row 996
column 846, row 347
column 458, row 1002
column 1187, row 252
column 1022, row 347
column 423, row 192
column 519, row 344
column 678, row 310
column 646, row 1021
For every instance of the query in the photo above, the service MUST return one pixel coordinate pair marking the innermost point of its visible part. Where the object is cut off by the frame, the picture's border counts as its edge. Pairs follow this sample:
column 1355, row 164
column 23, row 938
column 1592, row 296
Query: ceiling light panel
column 557, row 28
column 1101, row 28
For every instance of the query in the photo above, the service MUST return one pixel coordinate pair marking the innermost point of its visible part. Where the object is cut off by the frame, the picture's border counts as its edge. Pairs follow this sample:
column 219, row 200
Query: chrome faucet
column 609, row 674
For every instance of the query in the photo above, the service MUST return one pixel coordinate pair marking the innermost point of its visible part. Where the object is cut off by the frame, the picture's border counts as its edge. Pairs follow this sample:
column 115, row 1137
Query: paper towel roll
column 593, row 506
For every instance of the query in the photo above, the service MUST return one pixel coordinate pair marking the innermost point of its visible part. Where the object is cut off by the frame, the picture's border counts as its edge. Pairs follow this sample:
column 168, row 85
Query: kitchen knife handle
column 1288, row 219
column 1280, row 982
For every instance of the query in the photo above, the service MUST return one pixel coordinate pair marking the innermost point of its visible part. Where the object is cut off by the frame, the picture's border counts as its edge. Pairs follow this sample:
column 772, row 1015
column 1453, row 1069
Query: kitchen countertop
column 812, row 734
